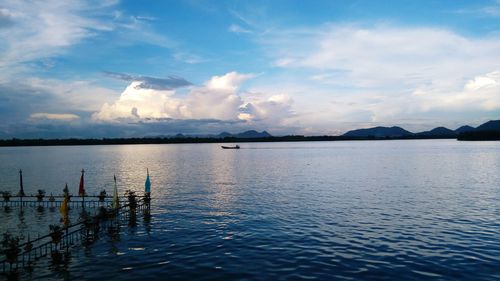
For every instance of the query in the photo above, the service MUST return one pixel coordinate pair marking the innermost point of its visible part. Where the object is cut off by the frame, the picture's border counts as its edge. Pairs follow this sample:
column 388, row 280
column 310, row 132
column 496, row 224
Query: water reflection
column 344, row 210
column 224, row 166
column 147, row 220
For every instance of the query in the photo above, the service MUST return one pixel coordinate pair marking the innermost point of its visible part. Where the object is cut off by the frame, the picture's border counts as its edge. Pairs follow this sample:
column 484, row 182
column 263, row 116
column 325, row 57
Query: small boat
column 230, row 147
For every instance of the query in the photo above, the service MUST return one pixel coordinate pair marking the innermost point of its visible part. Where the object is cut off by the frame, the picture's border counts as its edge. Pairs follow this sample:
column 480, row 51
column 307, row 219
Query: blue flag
column 147, row 185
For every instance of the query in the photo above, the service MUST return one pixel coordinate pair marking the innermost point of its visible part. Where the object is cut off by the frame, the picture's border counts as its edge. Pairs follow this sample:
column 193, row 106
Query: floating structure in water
column 63, row 236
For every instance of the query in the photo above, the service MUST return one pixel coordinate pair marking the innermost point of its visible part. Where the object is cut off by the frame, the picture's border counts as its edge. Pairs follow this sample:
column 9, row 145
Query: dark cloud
column 147, row 82
column 18, row 101
column 147, row 128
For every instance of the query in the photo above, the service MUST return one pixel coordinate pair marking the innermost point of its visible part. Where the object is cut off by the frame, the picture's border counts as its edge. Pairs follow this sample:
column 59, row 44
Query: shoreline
column 486, row 135
column 127, row 141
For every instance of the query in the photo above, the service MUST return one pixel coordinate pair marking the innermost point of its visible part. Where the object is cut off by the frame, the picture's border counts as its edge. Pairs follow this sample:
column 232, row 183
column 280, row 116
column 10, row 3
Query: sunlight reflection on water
column 351, row 210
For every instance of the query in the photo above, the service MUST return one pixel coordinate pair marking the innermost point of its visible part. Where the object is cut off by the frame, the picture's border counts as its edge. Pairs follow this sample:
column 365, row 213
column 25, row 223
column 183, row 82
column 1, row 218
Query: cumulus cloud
column 206, row 102
column 482, row 82
column 216, row 99
column 273, row 110
column 54, row 108
column 227, row 82
column 219, row 98
column 147, row 82
column 136, row 102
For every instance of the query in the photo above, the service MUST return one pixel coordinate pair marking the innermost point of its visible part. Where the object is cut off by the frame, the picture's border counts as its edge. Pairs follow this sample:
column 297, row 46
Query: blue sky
column 146, row 68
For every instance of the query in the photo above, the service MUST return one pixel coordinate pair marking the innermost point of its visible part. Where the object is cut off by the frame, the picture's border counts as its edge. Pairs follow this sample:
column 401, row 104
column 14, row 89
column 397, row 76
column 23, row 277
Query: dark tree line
column 480, row 135
column 166, row 140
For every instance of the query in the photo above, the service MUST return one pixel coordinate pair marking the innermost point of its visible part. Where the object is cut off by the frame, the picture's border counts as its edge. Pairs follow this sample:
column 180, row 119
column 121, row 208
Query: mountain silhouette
column 252, row 134
column 438, row 132
column 492, row 125
column 464, row 129
column 379, row 132
column 487, row 131
column 224, row 135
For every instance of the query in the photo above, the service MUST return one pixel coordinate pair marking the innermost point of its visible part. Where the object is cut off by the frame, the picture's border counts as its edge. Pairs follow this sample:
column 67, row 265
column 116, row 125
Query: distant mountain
column 487, row 131
column 438, row 132
column 252, row 134
column 464, row 129
column 224, row 135
column 380, row 132
column 246, row 135
column 492, row 125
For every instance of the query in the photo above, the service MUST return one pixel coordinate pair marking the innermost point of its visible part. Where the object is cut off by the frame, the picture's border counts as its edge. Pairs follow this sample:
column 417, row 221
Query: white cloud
column 229, row 81
column 480, row 93
column 33, row 31
column 385, row 56
column 136, row 102
column 219, row 98
column 44, row 29
column 383, row 74
column 27, row 96
column 274, row 110
column 55, row 116
column 486, row 81
column 71, row 95
column 213, row 103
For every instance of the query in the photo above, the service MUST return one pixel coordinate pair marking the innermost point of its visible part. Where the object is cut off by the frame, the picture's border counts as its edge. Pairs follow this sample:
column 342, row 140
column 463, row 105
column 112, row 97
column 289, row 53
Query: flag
column 64, row 206
column 66, row 190
column 147, row 185
column 81, row 189
column 21, row 187
column 116, row 202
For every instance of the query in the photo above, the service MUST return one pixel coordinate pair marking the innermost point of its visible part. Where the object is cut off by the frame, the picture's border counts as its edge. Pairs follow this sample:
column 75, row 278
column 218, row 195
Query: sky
column 114, row 68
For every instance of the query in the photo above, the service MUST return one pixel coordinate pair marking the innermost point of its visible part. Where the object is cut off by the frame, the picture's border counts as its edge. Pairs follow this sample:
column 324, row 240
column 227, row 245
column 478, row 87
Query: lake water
column 354, row 210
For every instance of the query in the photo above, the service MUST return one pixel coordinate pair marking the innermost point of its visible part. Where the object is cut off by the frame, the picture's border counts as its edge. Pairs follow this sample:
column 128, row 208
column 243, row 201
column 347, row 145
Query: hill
column 439, row 132
column 252, row 134
column 487, row 131
column 492, row 125
column 379, row 132
column 464, row 129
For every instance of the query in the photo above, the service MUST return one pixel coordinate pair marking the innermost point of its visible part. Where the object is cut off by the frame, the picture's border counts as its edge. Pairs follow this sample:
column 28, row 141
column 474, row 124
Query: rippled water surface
column 365, row 210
